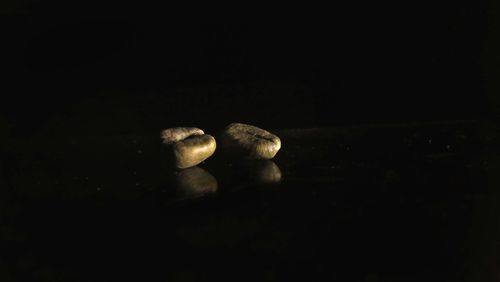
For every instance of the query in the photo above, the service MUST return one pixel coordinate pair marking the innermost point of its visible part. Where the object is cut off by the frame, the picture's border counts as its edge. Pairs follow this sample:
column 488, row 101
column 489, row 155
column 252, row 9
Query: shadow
column 194, row 182
column 262, row 171
column 249, row 173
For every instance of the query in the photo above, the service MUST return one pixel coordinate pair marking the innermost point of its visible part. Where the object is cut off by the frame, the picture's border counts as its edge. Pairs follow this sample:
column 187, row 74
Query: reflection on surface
column 381, row 211
column 195, row 182
column 264, row 171
column 250, row 173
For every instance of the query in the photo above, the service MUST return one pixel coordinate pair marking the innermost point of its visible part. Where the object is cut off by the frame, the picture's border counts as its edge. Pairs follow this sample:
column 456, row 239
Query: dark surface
column 127, row 67
column 86, row 195
column 407, row 202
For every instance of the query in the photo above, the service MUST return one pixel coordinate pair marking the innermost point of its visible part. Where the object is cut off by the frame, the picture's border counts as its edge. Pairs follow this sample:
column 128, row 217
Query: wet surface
column 413, row 202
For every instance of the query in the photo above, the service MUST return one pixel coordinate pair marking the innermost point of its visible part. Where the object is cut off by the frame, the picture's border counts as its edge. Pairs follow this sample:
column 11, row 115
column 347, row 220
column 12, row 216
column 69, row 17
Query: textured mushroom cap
column 188, row 146
column 254, row 142
column 175, row 134
column 193, row 150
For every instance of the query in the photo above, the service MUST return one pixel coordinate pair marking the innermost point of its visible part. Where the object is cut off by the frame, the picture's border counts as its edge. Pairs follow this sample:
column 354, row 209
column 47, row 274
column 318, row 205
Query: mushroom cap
column 193, row 150
column 188, row 146
column 254, row 142
column 175, row 134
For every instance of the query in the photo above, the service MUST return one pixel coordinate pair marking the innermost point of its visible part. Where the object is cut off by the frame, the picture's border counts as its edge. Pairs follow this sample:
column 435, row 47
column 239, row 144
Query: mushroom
column 188, row 146
column 250, row 141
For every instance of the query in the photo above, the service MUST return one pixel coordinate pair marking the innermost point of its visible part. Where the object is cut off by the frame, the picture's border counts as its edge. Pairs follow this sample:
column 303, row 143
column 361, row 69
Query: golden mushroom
column 189, row 146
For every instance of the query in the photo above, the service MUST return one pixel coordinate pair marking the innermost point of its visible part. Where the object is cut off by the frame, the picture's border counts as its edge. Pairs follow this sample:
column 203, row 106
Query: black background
column 137, row 67
column 87, row 86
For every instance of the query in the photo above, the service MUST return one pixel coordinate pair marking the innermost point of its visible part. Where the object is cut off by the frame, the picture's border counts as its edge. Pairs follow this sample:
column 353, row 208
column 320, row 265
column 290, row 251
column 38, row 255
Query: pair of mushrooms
column 190, row 146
